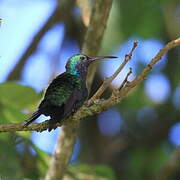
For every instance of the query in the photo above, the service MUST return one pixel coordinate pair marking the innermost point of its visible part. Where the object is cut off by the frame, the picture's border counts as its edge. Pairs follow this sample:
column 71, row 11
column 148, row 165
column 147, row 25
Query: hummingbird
column 67, row 92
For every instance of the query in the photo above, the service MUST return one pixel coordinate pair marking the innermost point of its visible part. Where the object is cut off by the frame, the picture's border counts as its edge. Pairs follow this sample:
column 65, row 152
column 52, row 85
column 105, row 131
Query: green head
column 79, row 63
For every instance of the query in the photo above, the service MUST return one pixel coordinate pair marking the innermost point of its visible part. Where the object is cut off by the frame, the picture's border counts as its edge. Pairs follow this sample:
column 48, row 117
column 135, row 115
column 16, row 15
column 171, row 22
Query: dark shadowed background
column 133, row 140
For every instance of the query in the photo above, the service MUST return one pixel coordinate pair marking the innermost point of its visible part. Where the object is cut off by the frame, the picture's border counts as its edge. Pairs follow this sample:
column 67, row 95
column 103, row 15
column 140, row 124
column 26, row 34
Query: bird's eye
column 82, row 58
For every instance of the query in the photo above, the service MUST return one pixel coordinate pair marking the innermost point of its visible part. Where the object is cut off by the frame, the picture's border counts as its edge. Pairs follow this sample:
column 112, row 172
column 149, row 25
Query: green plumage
column 67, row 92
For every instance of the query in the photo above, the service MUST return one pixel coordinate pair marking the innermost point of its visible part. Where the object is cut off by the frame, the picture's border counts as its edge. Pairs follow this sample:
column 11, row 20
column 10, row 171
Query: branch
column 99, row 105
column 128, row 87
column 63, row 151
column 108, row 81
column 59, row 14
column 94, row 35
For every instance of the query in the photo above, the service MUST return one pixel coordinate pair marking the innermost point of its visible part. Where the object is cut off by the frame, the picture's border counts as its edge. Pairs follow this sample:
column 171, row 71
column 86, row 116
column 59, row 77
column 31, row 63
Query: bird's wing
column 57, row 82
column 62, row 92
column 56, row 97
column 75, row 100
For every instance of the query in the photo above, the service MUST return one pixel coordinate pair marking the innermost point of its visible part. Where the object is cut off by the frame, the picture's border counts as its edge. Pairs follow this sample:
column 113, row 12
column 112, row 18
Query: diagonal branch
column 108, row 81
column 99, row 105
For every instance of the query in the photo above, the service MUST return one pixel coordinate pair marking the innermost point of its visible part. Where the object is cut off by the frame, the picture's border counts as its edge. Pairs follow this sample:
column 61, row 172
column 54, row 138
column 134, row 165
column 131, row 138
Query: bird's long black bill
column 101, row 58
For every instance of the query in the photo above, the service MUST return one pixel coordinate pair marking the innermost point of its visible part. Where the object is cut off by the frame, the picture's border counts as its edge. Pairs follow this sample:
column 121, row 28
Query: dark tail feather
column 33, row 117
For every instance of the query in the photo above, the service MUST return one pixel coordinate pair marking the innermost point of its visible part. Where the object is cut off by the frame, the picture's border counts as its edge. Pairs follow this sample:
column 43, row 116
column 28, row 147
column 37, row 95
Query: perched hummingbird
column 67, row 92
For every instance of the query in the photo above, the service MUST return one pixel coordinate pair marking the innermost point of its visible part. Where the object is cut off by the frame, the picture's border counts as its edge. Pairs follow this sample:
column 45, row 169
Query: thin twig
column 113, row 100
column 108, row 81
column 125, row 80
